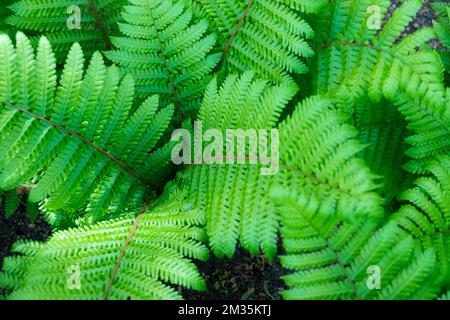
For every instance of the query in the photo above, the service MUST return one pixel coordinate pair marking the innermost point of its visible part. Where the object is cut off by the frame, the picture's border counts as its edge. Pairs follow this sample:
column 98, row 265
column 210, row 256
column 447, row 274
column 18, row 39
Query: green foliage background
column 364, row 120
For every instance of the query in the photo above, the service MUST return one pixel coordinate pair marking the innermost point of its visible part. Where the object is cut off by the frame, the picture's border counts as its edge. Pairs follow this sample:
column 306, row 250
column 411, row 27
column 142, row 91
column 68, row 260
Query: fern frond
column 76, row 141
column 267, row 36
column 319, row 157
column 382, row 128
column 332, row 259
column 234, row 196
column 425, row 213
column 11, row 201
column 430, row 130
column 4, row 13
column 88, row 22
column 133, row 257
column 442, row 28
column 373, row 61
column 166, row 50
column 378, row 66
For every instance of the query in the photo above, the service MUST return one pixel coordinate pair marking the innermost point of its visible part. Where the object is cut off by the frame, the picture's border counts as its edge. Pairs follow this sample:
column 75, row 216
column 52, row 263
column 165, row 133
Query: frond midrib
column 122, row 252
column 176, row 102
column 99, row 24
column 76, row 135
column 234, row 33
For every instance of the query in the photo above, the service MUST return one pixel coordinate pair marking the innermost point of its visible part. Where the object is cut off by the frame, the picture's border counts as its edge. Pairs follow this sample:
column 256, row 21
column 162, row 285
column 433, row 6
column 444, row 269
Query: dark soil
column 243, row 277
column 19, row 227
column 423, row 19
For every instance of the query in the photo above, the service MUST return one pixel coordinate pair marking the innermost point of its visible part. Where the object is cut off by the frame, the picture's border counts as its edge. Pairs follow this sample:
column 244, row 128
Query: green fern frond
column 75, row 140
column 306, row 6
column 319, row 157
column 267, row 36
column 332, row 259
column 378, row 66
column 88, row 22
column 382, row 128
column 11, row 202
column 352, row 50
column 133, row 257
column 4, row 13
column 442, row 28
column 425, row 213
column 430, row 130
column 166, row 50
column 234, row 197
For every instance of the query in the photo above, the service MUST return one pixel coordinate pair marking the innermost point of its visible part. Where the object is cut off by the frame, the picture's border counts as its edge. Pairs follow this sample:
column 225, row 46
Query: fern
column 167, row 50
column 234, row 197
column 132, row 257
column 331, row 258
column 4, row 13
column 378, row 66
column 76, row 141
column 267, row 36
column 431, row 134
column 11, row 202
column 372, row 62
column 383, row 130
column 364, row 154
column 58, row 19
column 442, row 28
column 344, row 187
column 12, row 199
column 426, row 212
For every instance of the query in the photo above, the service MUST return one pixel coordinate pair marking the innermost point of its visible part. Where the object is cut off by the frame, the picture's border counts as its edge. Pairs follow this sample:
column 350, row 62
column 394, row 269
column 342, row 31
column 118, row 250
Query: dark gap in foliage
column 244, row 277
column 19, row 227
